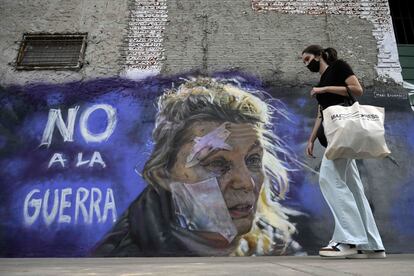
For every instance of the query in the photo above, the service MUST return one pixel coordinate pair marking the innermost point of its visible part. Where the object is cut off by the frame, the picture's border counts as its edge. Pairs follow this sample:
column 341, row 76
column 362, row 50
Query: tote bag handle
column 351, row 98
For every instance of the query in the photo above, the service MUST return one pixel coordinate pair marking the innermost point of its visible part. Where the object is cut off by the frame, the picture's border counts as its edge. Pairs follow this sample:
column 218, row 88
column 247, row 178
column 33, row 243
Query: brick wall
column 143, row 45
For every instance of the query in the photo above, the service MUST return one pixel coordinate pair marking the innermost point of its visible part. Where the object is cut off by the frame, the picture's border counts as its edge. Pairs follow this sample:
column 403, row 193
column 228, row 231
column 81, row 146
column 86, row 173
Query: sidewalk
column 398, row 264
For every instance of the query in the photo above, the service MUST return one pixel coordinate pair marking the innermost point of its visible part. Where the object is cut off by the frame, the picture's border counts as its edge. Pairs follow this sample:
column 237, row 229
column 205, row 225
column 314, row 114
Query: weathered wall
column 141, row 38
column 104, row 21
column 377, row 12
column 223, row 36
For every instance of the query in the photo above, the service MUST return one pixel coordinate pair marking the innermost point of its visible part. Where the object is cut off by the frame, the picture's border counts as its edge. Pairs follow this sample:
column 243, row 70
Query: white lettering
column 33, row 203
column 80, row 204
column 88, row 204
column 57, row 157
column 66, row 130
column 111, row 123
column 80, row 161
column 109, row 205
column 49, row 218
column 94, row 204
column 97, row 158
column 63, row 205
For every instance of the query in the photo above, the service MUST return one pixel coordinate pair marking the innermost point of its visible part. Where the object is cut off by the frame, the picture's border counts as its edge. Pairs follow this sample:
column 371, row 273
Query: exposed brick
column 147, row 22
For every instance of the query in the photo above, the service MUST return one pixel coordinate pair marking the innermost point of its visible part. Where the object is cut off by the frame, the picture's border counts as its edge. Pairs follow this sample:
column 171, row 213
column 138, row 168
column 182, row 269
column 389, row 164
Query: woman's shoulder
column 340, row 63
column 342, row 68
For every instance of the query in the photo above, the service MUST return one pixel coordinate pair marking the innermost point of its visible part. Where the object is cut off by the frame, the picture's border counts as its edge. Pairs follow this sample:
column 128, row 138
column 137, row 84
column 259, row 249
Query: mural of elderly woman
column 214, row 180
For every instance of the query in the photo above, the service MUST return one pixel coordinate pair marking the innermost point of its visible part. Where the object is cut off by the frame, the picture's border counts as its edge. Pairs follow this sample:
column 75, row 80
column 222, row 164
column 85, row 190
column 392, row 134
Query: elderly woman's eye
column 218, row 163
column 220, row 166
column 254, row 160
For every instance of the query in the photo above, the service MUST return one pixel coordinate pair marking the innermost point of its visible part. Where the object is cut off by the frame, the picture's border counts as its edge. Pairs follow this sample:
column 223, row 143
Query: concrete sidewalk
column 312, row 265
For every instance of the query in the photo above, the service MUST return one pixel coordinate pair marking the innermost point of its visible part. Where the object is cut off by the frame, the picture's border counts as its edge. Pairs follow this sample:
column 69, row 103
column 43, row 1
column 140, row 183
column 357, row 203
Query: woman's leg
column 355, row 185
column 349, row 226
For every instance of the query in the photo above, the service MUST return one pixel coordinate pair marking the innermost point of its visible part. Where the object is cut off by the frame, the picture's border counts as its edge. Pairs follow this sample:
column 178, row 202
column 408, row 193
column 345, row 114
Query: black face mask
column 313, row 66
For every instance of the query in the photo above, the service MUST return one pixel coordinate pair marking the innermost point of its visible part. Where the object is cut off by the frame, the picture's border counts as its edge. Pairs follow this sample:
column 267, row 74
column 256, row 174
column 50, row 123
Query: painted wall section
column 75, row 181
column 377, row 12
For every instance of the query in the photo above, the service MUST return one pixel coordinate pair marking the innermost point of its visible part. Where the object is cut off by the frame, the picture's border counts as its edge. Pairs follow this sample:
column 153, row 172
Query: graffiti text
column 67, row 129
column 88, row 204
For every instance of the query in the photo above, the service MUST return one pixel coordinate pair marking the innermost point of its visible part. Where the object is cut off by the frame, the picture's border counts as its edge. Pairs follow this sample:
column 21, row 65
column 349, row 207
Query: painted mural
column 180, row 166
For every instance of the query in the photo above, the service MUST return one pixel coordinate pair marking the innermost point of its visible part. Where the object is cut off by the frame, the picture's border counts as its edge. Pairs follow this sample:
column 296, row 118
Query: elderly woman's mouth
column 240, row 210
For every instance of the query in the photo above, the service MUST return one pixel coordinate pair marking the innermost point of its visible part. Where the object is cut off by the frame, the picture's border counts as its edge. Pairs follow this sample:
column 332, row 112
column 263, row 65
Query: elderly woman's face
column 235, row 161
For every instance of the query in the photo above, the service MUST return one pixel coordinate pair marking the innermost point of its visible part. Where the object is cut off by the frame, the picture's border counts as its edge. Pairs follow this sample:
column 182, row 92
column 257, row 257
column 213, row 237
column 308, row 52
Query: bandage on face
column 200, row 207
column 210, row 142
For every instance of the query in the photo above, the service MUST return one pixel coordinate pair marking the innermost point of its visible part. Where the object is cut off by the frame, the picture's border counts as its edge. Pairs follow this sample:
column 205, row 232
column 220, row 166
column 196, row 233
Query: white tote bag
column 355, row 132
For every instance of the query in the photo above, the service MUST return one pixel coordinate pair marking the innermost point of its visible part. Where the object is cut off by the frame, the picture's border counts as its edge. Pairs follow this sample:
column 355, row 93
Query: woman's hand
column 317, row 90
column 309, row 149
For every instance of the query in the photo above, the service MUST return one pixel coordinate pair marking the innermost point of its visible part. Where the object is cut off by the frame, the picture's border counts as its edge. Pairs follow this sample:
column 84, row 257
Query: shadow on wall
column 178, row 166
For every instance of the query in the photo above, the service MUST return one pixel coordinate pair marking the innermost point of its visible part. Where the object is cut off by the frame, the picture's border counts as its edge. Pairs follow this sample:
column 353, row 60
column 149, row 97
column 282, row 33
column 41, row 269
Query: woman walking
column 356, row 234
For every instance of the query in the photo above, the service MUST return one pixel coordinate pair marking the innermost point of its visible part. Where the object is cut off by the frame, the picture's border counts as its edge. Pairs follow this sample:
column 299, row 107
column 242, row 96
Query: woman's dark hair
column 329, row 55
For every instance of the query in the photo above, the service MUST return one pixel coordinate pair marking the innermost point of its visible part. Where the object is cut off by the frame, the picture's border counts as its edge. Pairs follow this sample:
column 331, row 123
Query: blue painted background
column 24, row 165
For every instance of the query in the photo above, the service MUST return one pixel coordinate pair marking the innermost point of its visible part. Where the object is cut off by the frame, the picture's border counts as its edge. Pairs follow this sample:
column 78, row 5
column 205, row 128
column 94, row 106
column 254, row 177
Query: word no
column 66, row 129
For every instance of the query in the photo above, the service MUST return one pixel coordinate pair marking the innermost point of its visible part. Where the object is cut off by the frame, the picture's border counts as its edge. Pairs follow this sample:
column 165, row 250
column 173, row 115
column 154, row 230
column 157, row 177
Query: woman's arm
column 352, row 82
column 312, row 137
column 318, row 122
